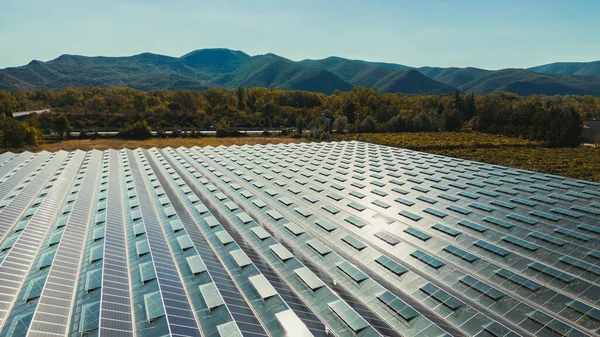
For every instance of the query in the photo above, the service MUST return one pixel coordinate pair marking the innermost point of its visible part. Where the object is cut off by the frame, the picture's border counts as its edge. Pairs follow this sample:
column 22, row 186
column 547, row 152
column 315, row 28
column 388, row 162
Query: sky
column 490, row 34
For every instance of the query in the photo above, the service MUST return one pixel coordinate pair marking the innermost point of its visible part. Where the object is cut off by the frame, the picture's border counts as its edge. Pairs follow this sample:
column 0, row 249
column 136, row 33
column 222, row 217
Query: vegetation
column 436, row 141
column 571, row 68
column 579, row 163
column 62, row 126
column 223, row 68
column 137, row 130
column 520, row 81
column 15, row 134
column 553, row 119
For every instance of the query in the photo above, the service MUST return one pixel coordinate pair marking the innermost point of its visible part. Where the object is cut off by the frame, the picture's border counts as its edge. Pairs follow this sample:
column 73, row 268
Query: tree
column 8, row 103
column 241, row 98
column 300, row 124
column 176, row 131
column 70, row 97
column 563, row 127
column 349, row 109
column 469, row 110
column 368, row 125
column 137, row 130
column 222, row 128
column 62, row 126
column 12, row 132
column 597, row 142
column 397, row 124
column 32, row 132
column 450, row 120
column 340, row 124
column 139, row 102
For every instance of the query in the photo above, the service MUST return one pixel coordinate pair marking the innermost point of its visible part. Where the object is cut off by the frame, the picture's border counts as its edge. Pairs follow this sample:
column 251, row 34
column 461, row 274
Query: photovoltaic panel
column 357, row 237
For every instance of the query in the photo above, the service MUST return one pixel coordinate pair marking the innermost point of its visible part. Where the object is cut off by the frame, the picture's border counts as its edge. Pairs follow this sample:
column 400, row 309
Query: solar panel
column 253, row 240
column 442, row 296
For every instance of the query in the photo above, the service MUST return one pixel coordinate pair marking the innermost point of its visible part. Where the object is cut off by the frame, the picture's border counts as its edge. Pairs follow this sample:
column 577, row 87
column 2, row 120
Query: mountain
column 570, row 68
column 519, row 81
column 199, row 70
column 468, row 80
column 209, row 68
column 525, row 82
column 381, row 76
column 455, row 77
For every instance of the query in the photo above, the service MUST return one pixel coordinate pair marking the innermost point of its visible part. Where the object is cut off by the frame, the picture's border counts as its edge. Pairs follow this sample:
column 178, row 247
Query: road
column 25, row 113
column 114, row 133
column 208, row 133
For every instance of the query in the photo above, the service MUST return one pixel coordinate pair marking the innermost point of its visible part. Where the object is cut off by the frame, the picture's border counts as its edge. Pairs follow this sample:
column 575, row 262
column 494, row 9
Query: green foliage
column 340, row 124
column 62, row 126
column 12, row 131
column 450, row 120
column 369, row 124
column 546, row 119
column 137, row 130
column 224, row 129
column 15, row 134
column 553, row 119
column 32, row 133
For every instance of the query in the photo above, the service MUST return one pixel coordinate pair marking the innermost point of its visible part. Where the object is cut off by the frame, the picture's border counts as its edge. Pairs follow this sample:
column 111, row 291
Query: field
column 579, row 163
column 115, row 143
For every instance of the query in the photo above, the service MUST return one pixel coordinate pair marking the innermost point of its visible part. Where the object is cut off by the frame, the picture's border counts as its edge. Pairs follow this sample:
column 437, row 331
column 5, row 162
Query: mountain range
column 209, row 68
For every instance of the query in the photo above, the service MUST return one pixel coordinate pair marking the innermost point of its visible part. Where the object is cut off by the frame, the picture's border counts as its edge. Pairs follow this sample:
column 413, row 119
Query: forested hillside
column 223, row 68
column 570, row 68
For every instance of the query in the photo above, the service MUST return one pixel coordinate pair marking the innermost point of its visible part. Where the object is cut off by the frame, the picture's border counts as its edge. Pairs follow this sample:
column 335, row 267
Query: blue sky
column 481, row 33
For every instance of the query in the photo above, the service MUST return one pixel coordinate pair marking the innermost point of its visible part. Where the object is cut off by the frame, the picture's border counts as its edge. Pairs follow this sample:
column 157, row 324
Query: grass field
column 427, row 141
column 114, row 143
column 579, row 163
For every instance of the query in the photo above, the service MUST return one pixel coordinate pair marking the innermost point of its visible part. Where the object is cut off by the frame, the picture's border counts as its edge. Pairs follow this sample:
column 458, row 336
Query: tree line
column 556, row 120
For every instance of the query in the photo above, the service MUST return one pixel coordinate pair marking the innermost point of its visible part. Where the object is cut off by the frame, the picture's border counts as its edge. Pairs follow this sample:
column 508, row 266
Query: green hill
column 273, row 71
column 200, row 70
column 455, row 77
column 209, row 68
column 570, row 68
column 525, row 82
column 470, row 80
column 381, row 76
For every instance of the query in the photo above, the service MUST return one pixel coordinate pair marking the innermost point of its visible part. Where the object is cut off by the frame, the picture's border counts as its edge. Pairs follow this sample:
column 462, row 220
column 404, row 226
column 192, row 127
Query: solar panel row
column 300, row 239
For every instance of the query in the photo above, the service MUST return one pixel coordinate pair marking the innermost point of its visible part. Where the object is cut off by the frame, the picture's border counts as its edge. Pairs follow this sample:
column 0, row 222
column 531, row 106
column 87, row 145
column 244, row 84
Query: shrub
column 137, row 130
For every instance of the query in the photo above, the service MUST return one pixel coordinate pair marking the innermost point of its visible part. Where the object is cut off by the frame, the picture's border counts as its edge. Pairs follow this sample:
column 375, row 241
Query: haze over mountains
column 209, row 68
